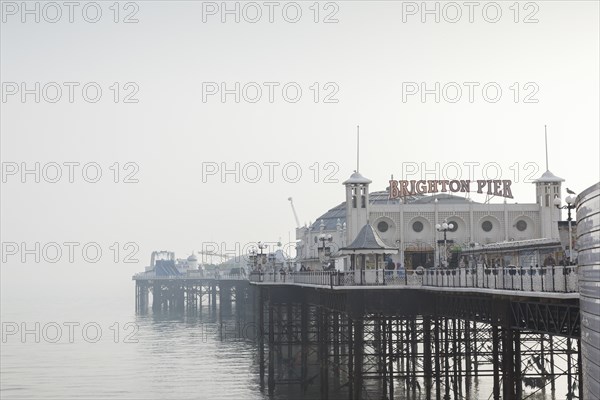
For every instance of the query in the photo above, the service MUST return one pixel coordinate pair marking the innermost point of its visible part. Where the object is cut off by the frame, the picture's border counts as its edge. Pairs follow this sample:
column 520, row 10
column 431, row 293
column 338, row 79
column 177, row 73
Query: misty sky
column 363, row 65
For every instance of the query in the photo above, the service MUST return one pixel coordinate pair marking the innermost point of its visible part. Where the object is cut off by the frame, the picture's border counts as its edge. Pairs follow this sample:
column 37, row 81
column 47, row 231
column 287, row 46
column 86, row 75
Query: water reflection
column 186, row 353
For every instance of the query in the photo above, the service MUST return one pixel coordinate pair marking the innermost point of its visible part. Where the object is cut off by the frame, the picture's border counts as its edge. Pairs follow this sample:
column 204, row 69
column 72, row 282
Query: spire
column 546, row 140
column 547, row 177
column 357, row 148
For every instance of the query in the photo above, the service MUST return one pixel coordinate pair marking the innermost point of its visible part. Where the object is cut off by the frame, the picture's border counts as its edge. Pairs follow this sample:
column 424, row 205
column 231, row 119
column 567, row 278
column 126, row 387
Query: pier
column 479, row 330
column 420, row 335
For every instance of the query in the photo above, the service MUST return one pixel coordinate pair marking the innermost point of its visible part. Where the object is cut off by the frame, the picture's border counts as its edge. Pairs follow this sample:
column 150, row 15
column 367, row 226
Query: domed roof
column 443, row 198
column 192, row 258
column 338, row 213
column 357, row 178
column 548, row 177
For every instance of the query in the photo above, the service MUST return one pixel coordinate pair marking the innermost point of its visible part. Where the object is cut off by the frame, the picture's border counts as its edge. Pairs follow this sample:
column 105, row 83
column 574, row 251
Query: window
column 417, row 226
column 452, row 226
column 521, row 225
column 487, row 226
column 382, row 226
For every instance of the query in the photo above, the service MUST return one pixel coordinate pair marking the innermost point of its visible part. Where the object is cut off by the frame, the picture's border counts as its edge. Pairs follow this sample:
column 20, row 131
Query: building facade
column 409, row 223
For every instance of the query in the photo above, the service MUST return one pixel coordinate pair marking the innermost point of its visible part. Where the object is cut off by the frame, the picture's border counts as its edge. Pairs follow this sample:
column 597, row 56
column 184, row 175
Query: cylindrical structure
column 588, row 261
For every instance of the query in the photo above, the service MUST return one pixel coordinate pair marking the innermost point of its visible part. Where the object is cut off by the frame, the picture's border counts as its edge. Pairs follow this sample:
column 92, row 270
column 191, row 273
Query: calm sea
column 92, row 344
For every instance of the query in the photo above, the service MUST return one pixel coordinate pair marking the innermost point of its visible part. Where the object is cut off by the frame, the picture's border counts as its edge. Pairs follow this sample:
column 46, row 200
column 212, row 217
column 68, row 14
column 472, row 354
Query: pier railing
column 552, row 279
column 560, row 279
column 190, row 276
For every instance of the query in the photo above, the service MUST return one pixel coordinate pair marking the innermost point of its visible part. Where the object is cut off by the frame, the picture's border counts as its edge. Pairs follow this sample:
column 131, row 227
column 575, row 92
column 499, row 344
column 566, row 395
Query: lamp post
column 261, row 246
column 444, row 227
column 570, row 199
column 325, row 238
column 299, row 254
column 253, row 260
column 400, row 253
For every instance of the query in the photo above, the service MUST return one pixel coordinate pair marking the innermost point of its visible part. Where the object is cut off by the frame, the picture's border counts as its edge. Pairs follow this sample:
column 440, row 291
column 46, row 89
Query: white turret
column 192, row 261
column 357, row 204
column 547, row 187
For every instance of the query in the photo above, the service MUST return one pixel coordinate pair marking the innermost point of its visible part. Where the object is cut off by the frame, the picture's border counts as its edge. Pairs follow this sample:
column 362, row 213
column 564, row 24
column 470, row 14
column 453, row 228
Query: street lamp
column 262, row 246
column 252, row 255
column 444, row 227
column 325, row 238
column 570, row 199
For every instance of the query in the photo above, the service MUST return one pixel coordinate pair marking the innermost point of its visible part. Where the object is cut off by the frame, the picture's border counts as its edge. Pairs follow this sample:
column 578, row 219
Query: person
column 302, row 268
column 389, row 266
column 549, row 261
column 401, row 271
column 389, row 263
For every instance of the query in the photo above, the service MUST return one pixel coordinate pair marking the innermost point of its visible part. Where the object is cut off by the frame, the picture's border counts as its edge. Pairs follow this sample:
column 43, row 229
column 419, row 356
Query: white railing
column 334, row 278
column 553, row 279
column 557, row 279
column 190, row 276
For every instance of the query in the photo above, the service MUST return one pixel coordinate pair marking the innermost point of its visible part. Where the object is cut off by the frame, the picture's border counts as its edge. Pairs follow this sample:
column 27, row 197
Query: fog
column 176, row 126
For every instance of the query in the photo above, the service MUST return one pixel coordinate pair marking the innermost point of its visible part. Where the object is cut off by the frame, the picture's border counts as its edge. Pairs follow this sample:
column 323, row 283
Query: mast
column 546, row 140
column 357, row 147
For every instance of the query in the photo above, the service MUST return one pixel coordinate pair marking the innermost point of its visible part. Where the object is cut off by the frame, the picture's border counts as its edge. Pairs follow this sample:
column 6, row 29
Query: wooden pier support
column 518, row 372
column 508, row 365
column 261, row 336
column 359, row 337
column 324, row 352
column 427, row 364
column 438, row 375
column 271, row 345
column 496, row 361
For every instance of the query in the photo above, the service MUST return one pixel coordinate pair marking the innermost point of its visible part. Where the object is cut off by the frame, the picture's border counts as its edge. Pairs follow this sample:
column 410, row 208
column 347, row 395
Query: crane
column 294, row 210
column 213, row 253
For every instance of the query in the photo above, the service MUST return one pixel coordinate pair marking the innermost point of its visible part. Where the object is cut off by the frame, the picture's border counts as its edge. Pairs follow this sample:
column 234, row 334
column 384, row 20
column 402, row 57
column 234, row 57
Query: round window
column 382, row 226
column 452, row 226
column 521, row 225
column 417, row 226
column 487, row 226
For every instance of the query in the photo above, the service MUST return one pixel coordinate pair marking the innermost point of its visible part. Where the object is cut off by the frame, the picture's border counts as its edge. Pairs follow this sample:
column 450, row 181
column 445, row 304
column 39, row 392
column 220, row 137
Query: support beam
column 496, row 361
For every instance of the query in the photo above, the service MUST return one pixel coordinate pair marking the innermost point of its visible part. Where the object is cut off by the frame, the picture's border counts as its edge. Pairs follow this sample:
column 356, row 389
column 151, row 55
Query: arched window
column 363, row 198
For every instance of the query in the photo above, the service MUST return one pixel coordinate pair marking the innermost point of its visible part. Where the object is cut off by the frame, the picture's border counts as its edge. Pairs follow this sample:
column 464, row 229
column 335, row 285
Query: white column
column 506, row 222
